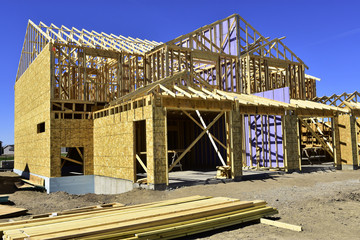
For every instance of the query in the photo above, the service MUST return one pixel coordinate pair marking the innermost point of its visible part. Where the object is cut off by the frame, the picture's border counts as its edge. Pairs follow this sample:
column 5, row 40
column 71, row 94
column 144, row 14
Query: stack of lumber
column 80, row 210
column 159, row 220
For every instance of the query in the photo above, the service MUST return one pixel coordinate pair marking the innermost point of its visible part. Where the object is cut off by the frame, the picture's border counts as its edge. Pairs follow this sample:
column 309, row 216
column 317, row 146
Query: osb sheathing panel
column 114, row 143
column 358, row 135
column 236, row 134
column 348, row 141
column 156, row 139
column 291, row 142
column 71, row 133
column 32, row 106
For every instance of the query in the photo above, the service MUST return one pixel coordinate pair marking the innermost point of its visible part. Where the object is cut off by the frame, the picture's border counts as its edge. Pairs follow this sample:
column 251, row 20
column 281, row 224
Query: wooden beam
column 141, row 162
column 288, row 226
column 211, row 139
column 80, row 154
column 203, row 128
column 72, row 160
column 196, row 140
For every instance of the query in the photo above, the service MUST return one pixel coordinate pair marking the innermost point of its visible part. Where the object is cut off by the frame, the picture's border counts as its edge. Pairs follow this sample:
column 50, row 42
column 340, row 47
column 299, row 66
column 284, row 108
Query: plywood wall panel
column 32, row 106
column 71, row 133
column 114, row 142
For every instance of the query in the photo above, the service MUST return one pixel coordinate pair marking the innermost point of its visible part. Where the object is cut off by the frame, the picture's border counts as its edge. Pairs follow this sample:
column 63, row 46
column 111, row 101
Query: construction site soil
column 325, row 203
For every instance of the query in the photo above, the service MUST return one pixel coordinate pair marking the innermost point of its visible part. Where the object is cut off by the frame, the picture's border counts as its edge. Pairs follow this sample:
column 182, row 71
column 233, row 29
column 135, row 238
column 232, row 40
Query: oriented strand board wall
column 358, row 136
column 236, row 145
column 114, row 143
column 291, row 139
column 156, row 147
column 348, row 141
column 71, row 133
column 32, row 106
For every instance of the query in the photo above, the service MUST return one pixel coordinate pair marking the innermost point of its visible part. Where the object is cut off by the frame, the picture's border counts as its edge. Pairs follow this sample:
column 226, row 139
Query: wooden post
column 291, row 144
column 234, row 127
column 156, row 147
column 348, row 142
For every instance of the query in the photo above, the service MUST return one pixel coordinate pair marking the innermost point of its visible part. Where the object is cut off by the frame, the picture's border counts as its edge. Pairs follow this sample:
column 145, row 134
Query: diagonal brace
column 196, row 140
column 211, row 139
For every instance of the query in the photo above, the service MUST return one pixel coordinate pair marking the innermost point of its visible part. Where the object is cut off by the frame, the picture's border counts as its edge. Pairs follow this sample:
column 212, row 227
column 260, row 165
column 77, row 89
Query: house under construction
column 130, row 111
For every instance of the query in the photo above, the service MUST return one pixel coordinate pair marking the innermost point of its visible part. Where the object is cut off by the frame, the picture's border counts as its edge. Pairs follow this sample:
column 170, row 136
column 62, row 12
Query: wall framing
column 90, row 88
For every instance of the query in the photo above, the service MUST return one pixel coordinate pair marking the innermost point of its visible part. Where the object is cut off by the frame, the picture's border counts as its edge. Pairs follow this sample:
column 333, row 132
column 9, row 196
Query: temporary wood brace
column 196, row 140
column 71, row 160
column 141, row 163
column 211, row 138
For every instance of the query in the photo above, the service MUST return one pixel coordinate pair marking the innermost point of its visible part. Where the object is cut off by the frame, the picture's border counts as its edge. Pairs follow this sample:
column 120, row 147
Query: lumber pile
column 159, row 220
column 80, row 210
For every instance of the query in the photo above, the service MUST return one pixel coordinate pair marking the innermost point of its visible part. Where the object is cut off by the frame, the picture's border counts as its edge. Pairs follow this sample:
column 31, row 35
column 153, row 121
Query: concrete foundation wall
column 108, row 185
column 72, row 184
column 85, row 184
column 32, row 106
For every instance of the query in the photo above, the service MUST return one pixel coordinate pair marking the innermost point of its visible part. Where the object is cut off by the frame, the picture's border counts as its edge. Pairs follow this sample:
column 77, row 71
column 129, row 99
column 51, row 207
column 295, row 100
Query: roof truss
column 37, row 36
column 234, row 36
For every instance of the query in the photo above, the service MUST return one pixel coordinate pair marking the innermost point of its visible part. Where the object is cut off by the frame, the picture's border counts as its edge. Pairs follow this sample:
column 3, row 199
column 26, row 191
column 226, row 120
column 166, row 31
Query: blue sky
column 324, row 34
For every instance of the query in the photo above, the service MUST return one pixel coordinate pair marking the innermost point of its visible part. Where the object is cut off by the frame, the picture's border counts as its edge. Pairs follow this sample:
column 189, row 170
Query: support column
column 336, row 141
column 156, row 145
column 234, row 132
column 291, row 142
column 348, row 142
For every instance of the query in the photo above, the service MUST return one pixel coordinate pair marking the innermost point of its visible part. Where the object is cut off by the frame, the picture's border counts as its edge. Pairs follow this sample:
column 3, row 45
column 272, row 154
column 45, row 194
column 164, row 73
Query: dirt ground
column 325, row 203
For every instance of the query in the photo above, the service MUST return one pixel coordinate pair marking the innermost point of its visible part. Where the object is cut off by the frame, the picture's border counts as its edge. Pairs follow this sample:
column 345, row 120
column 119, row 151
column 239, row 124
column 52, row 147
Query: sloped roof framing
column 37, row 36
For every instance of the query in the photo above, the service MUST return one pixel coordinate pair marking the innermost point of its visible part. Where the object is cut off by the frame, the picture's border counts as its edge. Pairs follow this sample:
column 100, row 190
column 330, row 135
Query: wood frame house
column 125, row 107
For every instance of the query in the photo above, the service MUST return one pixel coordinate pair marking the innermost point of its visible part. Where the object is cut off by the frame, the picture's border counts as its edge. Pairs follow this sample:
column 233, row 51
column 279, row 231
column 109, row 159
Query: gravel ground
column 325, row 203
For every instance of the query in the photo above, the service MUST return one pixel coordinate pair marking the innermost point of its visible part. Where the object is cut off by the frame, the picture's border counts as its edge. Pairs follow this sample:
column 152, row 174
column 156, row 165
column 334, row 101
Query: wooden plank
column 170, row 219
column 211, row 138
column 24, row 186
column 196, row 122
column 206, row 225
column 141, row 163
column 292, row 227
column 75, row 216
column 80, row 154
column 71, row 160
column 150, row 217
column 195, row 141
column 9, row 211
column 180, row 228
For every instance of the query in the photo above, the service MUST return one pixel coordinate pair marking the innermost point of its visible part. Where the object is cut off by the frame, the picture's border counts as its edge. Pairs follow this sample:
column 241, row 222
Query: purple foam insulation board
column 281, row 95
